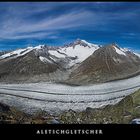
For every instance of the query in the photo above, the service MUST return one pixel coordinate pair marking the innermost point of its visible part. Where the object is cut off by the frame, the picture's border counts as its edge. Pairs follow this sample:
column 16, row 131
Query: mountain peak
column 78, row 42
column 111, row 45
column 84, row 43
column 115, row 48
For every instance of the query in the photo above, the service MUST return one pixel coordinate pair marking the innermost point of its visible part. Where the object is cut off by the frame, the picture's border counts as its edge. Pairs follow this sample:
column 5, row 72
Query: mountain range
column 79, row 62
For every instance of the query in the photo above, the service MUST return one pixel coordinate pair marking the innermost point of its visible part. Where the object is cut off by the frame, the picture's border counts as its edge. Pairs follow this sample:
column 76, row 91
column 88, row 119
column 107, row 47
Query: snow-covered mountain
column 71, row 54
column 78, row 61
column 44, row 61
column 106, row 64
column 77, row 51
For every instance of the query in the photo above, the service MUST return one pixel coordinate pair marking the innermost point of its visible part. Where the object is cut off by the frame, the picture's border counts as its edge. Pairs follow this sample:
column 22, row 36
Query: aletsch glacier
column 58, row 97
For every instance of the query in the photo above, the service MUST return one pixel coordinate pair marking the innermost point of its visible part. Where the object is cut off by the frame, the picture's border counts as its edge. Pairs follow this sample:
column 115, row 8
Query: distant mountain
column 79, row 62
column 68, row 55
column 105, row 64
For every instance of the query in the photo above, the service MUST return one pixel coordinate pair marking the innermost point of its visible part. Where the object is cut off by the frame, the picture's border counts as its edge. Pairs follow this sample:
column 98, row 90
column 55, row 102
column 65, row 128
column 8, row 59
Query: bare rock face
column 106, row 64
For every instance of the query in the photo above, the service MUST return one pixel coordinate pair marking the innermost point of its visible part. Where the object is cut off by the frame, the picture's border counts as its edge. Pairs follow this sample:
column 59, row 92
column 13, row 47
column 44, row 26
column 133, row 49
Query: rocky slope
column 123, row 112
column 11, row 115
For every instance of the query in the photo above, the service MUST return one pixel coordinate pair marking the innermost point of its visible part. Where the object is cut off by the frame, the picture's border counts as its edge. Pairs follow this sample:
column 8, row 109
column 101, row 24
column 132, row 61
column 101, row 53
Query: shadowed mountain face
column 106, row 64
column 80, row 62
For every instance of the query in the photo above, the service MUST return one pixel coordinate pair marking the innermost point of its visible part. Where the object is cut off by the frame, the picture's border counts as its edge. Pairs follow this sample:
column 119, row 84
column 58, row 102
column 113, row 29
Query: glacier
column 55, row 98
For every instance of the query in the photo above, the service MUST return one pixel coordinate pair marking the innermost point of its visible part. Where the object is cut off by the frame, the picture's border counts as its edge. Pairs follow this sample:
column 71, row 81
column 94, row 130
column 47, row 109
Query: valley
column 68, row 79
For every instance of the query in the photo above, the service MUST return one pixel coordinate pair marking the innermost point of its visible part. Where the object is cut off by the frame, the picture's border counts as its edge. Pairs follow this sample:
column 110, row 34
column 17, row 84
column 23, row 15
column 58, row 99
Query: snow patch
column 17, row 53
column 90, row 44
column 119, row 51
column 124, row 49
column 38, row 47
column 56, row 53
column 44, row 59
column 137, row 54
column 117, row 60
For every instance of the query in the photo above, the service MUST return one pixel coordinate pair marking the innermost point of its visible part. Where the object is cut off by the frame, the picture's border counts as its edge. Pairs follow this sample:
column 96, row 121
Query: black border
column 30, row 130
column 109, row 130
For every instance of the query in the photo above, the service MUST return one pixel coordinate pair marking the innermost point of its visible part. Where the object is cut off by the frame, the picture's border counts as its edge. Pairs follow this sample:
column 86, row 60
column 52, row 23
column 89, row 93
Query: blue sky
column 58, row 23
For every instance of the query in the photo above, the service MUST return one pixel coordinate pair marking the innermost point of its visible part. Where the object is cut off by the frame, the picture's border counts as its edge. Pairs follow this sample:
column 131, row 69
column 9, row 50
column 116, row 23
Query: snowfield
column 79, row 51
column 55, row 98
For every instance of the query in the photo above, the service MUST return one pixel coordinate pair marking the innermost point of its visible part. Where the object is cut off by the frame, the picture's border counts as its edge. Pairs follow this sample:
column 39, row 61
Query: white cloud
column 15, row 26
